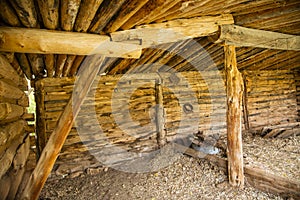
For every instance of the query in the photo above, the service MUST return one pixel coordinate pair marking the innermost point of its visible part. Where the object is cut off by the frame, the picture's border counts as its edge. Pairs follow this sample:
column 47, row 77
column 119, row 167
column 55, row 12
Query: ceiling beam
column 123, row 44
column 26, row 40
column 247, row 37
column 172, row 31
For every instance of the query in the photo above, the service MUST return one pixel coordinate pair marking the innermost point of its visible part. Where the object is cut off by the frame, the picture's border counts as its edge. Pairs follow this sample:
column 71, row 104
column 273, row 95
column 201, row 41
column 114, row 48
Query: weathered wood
column 60, row 63
column 173, row 31
column 107, row 10
column 10, row 112
column 50, row 62
column 9, row 91
column 9, row 132
column 15, row 64
column 245, row 105
column 160, row 122
column 68, row 65
column 49, row 13
column 8, row 14
column 255, row 176
column 127, row 10
column 60, row 42
column 64, row 125
column 8, row 72
column 23, row 61
column 19, row 166
column 6, row 158
column 40, row 116
column 28, row 117
column 68, row 13
column 76, row 64
column 5, row 185
column 37, row 65
column 87, row 12
column 247, row 37
column 26, row 12
column 8, row 56
column 143, row 13
column 234, row 91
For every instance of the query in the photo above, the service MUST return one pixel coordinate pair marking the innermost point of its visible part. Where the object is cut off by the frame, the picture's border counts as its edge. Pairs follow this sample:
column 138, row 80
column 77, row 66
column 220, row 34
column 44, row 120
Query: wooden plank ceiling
column 107, row 16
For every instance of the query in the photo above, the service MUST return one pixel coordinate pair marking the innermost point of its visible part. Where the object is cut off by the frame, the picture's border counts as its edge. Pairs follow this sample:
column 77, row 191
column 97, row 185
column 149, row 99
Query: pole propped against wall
column 62, row 129
column 234, row 91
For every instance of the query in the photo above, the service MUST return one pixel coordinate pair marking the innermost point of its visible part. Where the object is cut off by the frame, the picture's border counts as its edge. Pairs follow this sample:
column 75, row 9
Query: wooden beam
column 61, row 42
column 255, row 176
column 234, row 91
column 173, row 31
column 61, row 131
column 248, row 37
column 161, row 134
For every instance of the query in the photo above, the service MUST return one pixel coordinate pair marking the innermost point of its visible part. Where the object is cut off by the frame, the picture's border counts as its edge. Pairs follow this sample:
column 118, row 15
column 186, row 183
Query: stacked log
column 192, row 102
column 271, row 98
column 14, row 129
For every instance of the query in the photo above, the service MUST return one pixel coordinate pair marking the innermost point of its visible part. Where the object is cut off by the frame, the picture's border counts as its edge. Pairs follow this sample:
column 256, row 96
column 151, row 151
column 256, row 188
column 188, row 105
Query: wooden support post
column 39, row 96
column 234, row 91
column 245, row 105
column 62, row 129
column 161, row 134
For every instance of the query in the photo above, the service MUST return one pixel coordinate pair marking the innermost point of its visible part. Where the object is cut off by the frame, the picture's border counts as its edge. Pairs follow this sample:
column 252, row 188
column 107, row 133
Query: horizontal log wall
column 138, row 135
column 271, row 98
column 192, row 102
column 14, row 129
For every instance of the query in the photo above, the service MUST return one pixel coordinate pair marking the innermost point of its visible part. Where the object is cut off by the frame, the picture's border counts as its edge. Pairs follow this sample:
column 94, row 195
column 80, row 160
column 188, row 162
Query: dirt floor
column 186, row 179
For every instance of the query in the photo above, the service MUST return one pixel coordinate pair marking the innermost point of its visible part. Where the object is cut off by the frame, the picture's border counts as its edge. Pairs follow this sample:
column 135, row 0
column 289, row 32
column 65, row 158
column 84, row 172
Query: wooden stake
column 234, row 91
column 161, row 134
column 61, row 131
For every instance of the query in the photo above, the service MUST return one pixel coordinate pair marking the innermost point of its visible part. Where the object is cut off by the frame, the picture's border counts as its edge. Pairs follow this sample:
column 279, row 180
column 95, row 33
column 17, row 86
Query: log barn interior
column 140, row 75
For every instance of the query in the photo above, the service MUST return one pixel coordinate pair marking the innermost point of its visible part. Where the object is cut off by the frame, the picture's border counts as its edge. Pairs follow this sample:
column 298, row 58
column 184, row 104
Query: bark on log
column 104, row 15
column 8, row 14
column 87, row 12
column 60, row 133
column 40, row 116
column 50, row 62
column 25, row 66
column 234, row 90
column 69, row 10
column 49, row 13
column 126, row 12
column 26, row 12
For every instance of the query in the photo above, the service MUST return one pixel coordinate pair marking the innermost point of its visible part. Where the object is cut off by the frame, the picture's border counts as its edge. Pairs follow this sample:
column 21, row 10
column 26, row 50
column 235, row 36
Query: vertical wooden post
column 245, row 104
column 234, row 91
column 161, row 135
column 39, row 95
column 62, row 129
